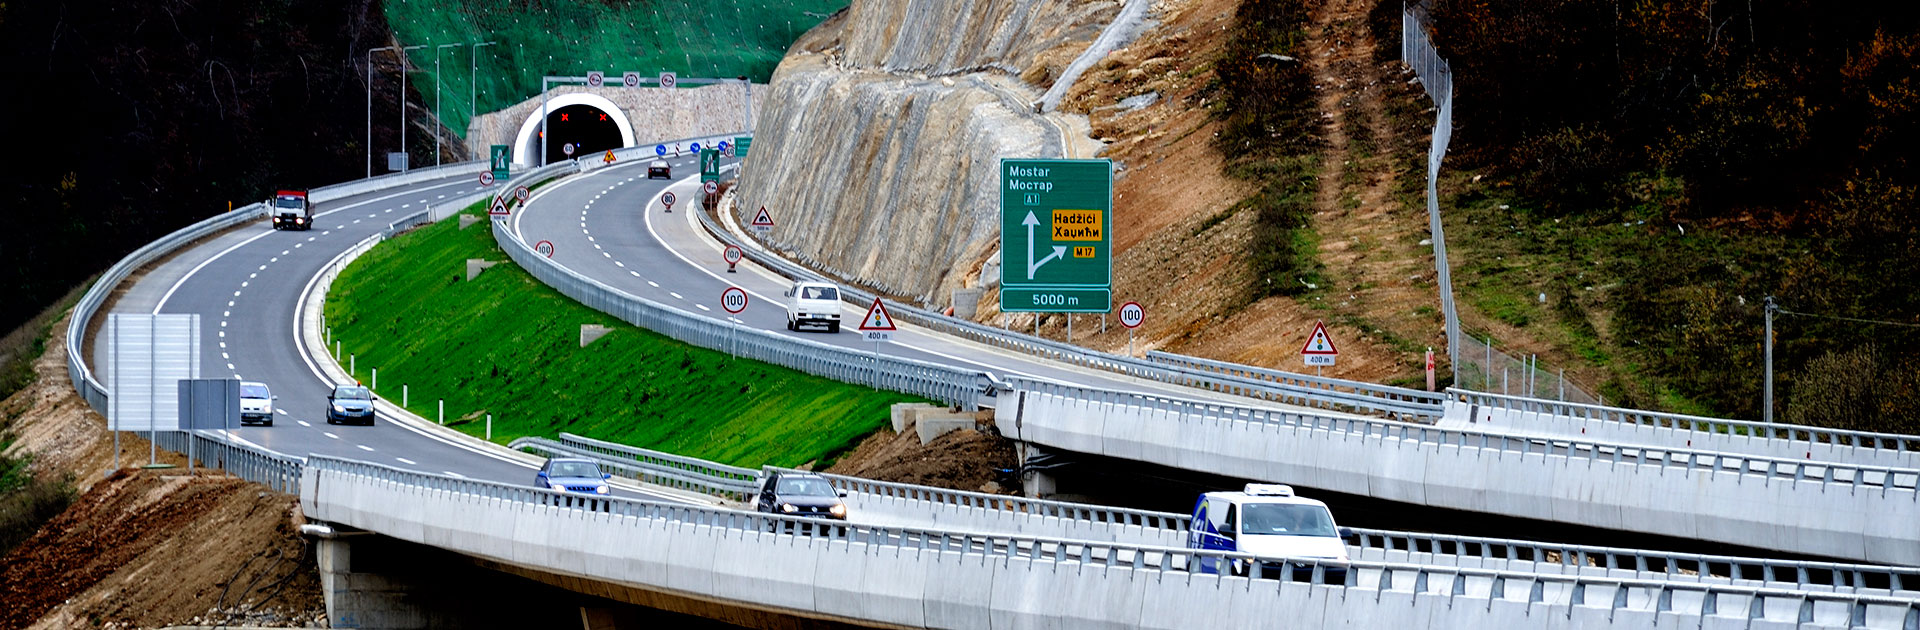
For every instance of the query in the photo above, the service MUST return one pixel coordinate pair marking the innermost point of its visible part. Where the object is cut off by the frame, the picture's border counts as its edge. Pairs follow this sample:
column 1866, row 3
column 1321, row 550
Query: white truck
column 291, row 212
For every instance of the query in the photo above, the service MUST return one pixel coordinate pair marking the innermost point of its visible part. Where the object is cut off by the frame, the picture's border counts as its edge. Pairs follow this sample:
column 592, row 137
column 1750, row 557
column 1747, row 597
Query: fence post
column 489, row 427
column 443, row 411
column 353, row 362
column 376, row 378
column 403, row 395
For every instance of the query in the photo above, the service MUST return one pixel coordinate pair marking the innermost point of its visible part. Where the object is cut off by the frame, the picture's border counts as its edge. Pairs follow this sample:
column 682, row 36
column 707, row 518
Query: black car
column 801, row 494
column 659, row 170
column 350, row 403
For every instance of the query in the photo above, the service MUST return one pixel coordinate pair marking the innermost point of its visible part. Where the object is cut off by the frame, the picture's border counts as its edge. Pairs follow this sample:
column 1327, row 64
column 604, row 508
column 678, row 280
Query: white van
column 1269, row 521
column 256, row 403
column 813, row 303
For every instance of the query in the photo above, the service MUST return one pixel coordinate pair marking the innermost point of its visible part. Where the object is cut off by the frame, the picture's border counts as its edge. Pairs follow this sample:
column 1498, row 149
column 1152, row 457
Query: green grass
column 508, row 345
column 571, row 37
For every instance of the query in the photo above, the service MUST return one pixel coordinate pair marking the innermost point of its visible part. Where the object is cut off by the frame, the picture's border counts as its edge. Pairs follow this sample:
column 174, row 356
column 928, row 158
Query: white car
column 256, row 403
column 813, row 303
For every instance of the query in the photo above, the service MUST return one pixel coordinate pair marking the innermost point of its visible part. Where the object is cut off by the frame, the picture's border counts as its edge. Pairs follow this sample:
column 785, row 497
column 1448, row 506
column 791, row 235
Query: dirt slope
column 1180, row 256
column 146, row 548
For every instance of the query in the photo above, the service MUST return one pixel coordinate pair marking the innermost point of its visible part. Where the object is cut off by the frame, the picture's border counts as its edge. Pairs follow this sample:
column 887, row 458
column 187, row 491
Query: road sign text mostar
column 1054, row 243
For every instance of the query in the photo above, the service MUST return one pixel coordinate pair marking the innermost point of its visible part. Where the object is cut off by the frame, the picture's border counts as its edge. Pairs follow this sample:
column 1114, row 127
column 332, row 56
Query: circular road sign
column 1131, row 315
column 693, row 147
column 733, row 299
column 522, row 194
column 567, row 148
column 660, row 150
column 632, row 79
column 668, row 198
column 486, row 178
column 596, row 79
column 711, row 187
column 544, row 247
column 722, row 146
column 667, row 79
column 733, row 255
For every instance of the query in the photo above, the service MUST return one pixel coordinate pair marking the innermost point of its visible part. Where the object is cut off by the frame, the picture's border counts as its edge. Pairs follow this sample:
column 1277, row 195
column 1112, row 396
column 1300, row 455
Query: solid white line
column 196, row 269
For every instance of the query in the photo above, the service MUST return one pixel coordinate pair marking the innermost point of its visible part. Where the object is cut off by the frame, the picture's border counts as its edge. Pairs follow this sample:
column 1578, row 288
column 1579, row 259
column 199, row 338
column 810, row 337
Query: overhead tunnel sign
column 1055, row 243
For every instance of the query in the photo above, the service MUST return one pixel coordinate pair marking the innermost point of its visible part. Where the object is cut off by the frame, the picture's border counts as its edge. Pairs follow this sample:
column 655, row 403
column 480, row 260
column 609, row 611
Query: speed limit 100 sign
column 1131, row 315
column 733, row 299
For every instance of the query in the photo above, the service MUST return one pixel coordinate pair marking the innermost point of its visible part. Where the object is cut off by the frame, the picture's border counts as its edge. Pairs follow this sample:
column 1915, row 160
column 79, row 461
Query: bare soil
column 961, row 460
column 144, row 548
column 1180, row 254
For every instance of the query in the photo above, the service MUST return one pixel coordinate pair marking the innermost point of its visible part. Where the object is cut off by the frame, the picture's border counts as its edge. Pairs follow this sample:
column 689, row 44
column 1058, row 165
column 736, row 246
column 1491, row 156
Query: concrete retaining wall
column 918, row 578
column 1763, row 504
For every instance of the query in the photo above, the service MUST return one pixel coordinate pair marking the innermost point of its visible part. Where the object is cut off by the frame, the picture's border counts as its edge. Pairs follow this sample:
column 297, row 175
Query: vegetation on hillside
column 1265, row 104
column 507, row 345
column 26, row 502
column 572, row 37
column 1660, row 168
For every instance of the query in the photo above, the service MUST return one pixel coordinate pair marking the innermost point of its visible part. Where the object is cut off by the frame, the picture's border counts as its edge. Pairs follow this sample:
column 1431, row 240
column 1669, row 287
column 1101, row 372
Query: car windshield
column 659, row 164
column 574, row 469
column 352, row 393
column 291, row 202
column 804, row 487
column 819, row 293
column 253, row 390
column 1286, row 519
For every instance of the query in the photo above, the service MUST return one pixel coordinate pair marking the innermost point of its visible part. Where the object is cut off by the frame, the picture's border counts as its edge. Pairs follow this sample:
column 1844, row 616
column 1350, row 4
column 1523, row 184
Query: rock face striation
column 878, row 147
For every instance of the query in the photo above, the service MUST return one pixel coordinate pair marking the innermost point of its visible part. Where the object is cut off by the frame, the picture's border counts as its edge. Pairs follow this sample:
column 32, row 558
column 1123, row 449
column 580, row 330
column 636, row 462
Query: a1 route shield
column 1055, row 239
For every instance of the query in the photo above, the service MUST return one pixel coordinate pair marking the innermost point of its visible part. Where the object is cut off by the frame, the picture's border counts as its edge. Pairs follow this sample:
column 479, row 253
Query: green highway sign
column 709, row 165
column 1055, row 241
column 740, row 145
column 500, row 162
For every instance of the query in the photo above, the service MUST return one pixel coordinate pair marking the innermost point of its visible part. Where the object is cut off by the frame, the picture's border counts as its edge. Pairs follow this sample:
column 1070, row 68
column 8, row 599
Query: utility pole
column 437, row 135
column 1767, row 412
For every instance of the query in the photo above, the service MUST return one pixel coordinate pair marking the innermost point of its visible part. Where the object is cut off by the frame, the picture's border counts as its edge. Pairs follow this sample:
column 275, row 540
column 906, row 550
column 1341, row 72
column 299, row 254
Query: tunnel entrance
column 589, row 129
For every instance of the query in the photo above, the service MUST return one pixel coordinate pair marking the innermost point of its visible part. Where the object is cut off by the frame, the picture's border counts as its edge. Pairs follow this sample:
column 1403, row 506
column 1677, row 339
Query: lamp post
column 473, row 81
column 437, row 135
column 401, row 53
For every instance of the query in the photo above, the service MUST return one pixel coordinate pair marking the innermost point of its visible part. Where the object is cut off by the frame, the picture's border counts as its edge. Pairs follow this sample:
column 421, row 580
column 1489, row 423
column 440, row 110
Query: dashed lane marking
column 329, row 434
column 365, row 447
column 408, row 462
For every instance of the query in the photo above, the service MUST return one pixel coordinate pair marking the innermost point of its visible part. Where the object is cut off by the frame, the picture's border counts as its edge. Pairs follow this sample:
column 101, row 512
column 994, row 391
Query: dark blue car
column 350, row 404
column 579, row 476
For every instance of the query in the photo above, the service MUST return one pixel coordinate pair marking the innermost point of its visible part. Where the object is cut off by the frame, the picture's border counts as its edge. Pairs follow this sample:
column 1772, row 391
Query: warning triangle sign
column 877, row 317
column 1320, row 343
column 763, row 219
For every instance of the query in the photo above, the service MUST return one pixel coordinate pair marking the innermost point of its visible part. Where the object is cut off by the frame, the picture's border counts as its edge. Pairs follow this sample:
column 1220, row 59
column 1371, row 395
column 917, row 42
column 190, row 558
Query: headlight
column 558, row 487
column 339, row 409
column 788, row 508
column 838, row 510
column 601, row 489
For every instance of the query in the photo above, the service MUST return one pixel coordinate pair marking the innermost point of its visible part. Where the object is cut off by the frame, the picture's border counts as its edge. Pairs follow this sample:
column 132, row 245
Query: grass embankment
column 508, row 345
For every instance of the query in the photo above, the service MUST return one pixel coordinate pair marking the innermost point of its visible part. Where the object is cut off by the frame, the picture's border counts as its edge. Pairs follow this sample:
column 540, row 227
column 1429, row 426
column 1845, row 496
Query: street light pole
column 370, row 52
column 473, row 81
column 437, row 135
column 1767, row 401
column 402, row 54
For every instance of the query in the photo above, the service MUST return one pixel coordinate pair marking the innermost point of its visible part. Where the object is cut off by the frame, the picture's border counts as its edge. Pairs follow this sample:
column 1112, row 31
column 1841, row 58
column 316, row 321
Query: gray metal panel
column 148, row 354
column 209, row 403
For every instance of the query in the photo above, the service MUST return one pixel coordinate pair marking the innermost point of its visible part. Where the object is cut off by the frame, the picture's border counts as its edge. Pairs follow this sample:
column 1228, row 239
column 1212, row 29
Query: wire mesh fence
column 1484, row 368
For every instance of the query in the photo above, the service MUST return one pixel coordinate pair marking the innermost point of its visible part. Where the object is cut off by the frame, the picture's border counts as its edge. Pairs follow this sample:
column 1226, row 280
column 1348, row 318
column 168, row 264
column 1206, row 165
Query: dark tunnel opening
column 587, row 128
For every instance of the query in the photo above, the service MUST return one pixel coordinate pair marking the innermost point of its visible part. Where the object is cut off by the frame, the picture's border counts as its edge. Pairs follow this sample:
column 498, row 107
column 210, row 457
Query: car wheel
column 833, row 327
column 790, row 326
column 266, row 423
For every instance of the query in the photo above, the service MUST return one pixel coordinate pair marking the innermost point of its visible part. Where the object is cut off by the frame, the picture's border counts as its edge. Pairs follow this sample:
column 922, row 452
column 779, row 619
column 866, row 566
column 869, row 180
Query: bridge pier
column 375, row 582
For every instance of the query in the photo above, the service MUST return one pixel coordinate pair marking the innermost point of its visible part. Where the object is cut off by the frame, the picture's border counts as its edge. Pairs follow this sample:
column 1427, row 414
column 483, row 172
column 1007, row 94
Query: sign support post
column 1131, row 316
column 733, row 300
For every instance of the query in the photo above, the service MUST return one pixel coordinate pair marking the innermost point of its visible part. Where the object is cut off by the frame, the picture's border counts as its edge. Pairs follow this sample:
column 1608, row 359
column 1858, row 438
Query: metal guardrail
column 1836, row 475
column 1069, row 557
column 259, row 465
column 1413, row 403
column 1040, row 508
column 1895, row 443
column 1358, row 397
column 953, row 386
column 653, row 467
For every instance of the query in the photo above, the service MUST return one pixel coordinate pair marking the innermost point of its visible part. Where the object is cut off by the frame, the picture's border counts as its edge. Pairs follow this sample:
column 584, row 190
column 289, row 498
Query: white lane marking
column 280, row 411
column 196, row 269
column 223, row 344
column 303, row 423
column 636, row 274
column 329, row 434
column 597, row 246
column 621, row 264
column 284, row 252
column 452, row 474
column 230, row 367
column 224, row 357
column 226, row 313
column 229, row 303
column 251, row 276
column 310, row 238
column 675, row 295
column 703, row 307
column 365, row 447
column 223, row 333
column 589, row 237
column 408, row 462
column 651, row 283
column 243, row 284
column 298, row 245
column 609, row 256
column 421, row 201
column 402, row 206
column 337, row 227
column 236, row 376
column 388, row 211
column 441, row 197
column 262, row 268
column 355, row 221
